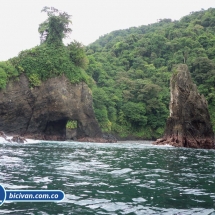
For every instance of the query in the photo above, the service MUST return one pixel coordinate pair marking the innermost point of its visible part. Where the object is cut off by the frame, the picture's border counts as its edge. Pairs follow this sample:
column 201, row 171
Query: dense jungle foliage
column 132, row 69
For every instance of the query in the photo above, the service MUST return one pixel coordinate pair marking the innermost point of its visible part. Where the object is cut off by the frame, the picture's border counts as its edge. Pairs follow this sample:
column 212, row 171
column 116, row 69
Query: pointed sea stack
column 189, row 122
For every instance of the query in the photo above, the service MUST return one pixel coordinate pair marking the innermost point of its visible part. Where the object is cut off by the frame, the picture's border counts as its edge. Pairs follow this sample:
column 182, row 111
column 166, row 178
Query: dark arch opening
column 56, row 130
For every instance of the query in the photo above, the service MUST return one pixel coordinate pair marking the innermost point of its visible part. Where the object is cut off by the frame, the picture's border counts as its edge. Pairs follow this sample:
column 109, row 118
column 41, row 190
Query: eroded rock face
column 42, row 112
column 189, row 122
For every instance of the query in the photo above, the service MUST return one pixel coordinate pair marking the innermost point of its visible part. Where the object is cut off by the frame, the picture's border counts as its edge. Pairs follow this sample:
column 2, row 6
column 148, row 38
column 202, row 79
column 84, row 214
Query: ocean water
column 116, row 178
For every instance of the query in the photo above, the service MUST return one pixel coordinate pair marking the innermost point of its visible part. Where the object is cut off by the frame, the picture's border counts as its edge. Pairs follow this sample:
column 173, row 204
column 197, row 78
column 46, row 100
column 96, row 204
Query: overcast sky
column 19, row 19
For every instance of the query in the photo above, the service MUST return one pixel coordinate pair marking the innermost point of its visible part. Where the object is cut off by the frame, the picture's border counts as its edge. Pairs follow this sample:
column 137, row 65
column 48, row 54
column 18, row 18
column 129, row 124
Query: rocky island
column 45, row 87
column 189, row 122
column 42, row 112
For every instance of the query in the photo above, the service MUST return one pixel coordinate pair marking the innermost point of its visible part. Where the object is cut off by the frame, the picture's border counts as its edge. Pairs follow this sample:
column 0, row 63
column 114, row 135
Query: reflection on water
column 123, row 178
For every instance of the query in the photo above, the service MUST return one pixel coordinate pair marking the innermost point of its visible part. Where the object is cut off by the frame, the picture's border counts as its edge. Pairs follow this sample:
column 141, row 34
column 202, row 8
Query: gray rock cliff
column 189, row 122
column 42, row 112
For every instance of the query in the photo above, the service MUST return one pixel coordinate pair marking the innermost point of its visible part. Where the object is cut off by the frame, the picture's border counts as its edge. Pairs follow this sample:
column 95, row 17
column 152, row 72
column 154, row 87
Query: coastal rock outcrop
column 42, row 112
column 18, row 139
column 189, row 122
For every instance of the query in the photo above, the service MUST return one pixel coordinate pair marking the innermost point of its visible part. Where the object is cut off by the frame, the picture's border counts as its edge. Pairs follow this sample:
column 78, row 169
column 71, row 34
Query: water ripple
column 120, row 178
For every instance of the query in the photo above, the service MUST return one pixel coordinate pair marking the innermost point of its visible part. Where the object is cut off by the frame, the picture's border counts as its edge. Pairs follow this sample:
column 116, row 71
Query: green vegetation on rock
column 47, row 61
column 50, row 59
column 71, row 124
column 7, row 71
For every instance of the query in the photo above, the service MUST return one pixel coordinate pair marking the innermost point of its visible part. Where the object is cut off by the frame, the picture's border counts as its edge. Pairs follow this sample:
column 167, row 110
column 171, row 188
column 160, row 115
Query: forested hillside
column 132, row 70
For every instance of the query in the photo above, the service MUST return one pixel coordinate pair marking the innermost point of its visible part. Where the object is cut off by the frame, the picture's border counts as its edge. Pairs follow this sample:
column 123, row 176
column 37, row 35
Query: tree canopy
column 56, row 27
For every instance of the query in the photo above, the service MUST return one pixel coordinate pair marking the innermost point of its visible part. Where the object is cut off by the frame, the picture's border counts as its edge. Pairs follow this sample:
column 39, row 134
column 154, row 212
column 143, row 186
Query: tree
column 135, row 113
column 56, row 27
column 3, row 79
column 77, row 54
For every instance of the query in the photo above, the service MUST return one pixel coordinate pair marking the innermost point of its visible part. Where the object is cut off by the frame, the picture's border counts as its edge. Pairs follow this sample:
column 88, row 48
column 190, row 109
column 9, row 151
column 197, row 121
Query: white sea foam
column 2, row 140
column 8, row 140
column 32, row 141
